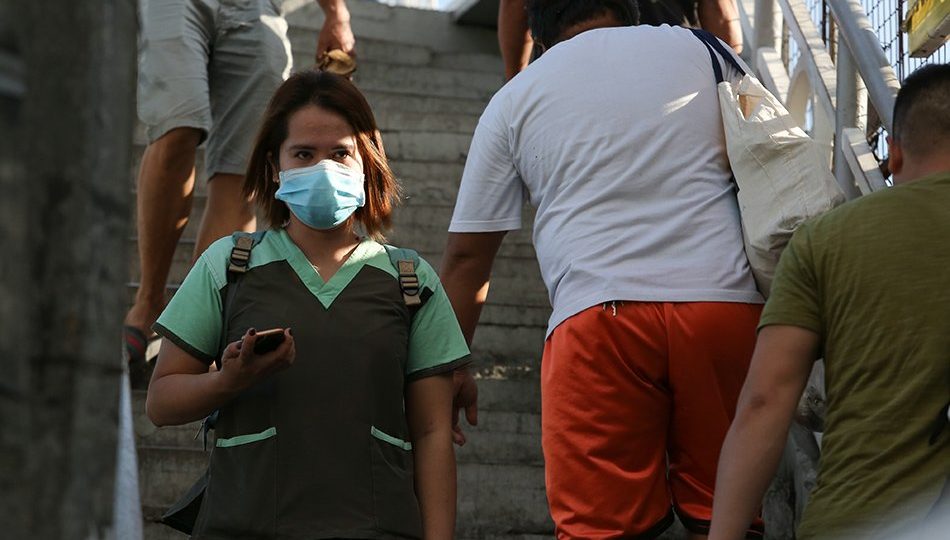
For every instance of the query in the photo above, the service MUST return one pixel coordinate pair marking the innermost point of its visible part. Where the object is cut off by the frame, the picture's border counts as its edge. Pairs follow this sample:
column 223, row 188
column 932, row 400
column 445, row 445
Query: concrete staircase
column 428, row 81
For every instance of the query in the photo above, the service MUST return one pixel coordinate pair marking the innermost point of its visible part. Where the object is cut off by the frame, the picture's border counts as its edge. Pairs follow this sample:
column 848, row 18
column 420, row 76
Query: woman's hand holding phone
column 255, row 356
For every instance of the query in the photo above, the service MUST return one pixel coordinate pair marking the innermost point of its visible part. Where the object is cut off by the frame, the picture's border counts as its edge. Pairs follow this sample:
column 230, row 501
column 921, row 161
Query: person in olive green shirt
column 867, row 287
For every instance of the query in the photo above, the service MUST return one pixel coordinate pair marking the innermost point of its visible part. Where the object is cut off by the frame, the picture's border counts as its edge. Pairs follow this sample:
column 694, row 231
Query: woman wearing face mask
column 343, row 431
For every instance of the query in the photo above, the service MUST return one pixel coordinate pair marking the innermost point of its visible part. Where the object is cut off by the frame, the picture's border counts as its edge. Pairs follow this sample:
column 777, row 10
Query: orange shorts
column 635, row 404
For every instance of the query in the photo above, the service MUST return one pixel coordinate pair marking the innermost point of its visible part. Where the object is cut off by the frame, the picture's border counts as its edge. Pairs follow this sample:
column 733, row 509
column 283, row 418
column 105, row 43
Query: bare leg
column 513, row 36
column 227, row 210
column 163, row 201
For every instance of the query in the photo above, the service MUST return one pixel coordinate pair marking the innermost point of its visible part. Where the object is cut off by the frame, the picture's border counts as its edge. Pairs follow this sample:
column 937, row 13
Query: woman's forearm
column 182, row 389
column 180, row 398
column 434, row 460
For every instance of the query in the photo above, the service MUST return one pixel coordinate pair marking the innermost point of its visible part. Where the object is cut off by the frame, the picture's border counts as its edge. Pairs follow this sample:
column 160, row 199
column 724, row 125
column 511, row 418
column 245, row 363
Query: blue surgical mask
column 322, row 196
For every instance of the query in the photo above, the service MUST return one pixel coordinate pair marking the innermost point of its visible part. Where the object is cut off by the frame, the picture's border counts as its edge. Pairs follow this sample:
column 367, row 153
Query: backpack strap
column 406, row 261
column 240, row 258
column 712, row 43
column 239, row 262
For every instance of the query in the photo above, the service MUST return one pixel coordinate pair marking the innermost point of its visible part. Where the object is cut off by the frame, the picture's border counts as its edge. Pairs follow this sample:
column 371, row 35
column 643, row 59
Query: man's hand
column 241, row 368
column 466, row 397
column 336, row 32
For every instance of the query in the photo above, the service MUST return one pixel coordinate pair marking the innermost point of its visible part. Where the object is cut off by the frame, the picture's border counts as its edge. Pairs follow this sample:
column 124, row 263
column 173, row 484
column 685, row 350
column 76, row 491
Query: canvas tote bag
column 781, row 174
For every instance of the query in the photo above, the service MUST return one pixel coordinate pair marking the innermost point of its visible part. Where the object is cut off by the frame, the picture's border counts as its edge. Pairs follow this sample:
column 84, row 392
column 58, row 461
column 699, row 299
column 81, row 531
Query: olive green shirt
column 872, row 279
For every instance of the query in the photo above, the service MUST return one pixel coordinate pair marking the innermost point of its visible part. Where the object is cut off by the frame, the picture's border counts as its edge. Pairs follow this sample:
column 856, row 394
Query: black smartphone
column 268, row 340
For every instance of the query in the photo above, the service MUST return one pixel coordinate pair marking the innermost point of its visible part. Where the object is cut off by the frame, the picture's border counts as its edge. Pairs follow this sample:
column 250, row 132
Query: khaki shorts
column 211, row 65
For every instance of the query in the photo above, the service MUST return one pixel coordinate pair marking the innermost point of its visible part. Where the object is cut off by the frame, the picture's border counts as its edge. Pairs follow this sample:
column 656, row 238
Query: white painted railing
column 829, row 85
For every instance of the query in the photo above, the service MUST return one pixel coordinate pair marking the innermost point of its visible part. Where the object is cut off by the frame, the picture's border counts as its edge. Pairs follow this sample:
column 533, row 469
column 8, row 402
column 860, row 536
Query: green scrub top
column 320, row 450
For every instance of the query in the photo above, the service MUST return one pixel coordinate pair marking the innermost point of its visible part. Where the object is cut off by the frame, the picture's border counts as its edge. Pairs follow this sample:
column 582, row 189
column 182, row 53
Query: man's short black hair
column 922, row 111
column 549, row 18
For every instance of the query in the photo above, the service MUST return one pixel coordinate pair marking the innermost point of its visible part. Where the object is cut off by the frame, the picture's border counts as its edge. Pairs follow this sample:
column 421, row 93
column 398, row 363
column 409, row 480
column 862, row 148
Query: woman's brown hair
column 337, row 94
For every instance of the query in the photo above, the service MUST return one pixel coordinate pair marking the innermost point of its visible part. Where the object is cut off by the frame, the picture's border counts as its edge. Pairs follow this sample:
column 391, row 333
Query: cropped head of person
column 553, row 21
column 919, row 142
column 319, row 158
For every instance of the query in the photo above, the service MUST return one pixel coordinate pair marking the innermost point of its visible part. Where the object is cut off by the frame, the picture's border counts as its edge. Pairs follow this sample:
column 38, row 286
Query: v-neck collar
column 325, row 291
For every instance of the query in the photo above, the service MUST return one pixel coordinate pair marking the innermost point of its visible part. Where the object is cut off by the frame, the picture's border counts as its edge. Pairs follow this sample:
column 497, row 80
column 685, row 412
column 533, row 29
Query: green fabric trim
column 326, row 292
column 379, row 259
column 247, row 439
column 385, row 437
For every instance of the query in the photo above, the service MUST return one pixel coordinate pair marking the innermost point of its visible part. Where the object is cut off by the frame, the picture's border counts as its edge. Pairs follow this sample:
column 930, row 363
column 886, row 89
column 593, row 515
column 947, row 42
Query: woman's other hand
column 241, row 368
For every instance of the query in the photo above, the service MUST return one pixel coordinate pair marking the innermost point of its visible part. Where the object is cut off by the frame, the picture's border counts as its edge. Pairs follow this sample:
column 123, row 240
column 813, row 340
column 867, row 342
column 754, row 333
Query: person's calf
column 163, row 200
column 227, row 210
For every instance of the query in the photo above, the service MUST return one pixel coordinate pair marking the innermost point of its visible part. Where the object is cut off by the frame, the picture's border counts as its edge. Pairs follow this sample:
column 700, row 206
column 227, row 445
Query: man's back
column 871, row 277
column 617, row 136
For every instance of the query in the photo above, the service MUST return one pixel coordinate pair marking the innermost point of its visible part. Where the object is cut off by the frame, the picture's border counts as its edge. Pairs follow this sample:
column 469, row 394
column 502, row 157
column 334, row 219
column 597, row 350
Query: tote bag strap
column 712, row 43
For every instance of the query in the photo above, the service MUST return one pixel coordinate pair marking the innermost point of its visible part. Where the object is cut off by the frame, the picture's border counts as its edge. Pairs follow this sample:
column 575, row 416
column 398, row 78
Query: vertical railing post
column 854, row 31
column 850, row 111
column 768, row 25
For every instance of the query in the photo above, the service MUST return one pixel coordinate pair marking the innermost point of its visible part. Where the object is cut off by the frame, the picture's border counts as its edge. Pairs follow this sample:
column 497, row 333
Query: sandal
column 139, row 349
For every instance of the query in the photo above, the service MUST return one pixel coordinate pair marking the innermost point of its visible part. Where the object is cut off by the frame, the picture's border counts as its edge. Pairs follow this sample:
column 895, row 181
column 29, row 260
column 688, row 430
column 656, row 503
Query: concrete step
column 501, row 500
column 372, row 20
column 497, row 313
column 448, row 174
column 503, row 438
column 147, row 434
column 395, row 120
column 166, row 472
column 518, row 347
column 383, row 100
column 443, row 147
column 427, row 81
column 421, row 80
column 425, row 229
column 303, row 42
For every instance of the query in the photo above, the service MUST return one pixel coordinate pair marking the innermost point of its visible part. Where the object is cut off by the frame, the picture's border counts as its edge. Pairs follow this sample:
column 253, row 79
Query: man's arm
column 466, row 269
column 779, row 371
column 336, row 32
column 721, row 17
column 465, row 272
column 514, row 40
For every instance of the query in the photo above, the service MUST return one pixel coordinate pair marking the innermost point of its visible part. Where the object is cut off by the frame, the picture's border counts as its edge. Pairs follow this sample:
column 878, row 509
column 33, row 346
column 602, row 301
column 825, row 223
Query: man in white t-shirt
column 615, row 135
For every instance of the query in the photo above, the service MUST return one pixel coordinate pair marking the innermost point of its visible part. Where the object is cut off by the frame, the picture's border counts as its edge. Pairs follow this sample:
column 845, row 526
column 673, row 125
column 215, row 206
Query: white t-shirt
column 616, row 137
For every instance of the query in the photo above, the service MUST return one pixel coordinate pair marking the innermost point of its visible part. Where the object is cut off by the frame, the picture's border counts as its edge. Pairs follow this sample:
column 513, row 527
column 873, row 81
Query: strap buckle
column 241, row 255
column 409, row 283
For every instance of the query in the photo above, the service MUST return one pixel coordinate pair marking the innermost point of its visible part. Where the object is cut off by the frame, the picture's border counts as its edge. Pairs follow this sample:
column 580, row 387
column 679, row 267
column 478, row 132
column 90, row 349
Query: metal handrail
column 838, row 78
column 879, row 77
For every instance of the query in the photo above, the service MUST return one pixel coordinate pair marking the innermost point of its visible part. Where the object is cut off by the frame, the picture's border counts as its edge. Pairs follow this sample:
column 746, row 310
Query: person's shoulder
column 217, row 253
column 858, row 209
column 216, row 258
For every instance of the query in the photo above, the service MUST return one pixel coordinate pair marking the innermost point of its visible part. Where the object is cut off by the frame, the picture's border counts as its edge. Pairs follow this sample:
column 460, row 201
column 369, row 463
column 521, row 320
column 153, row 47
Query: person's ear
column 895, row 156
